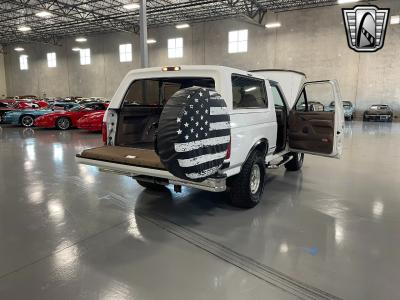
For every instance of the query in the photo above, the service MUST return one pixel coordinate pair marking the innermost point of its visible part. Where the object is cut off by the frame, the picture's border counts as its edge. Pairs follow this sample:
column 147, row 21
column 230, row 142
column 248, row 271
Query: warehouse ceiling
column 71, row 18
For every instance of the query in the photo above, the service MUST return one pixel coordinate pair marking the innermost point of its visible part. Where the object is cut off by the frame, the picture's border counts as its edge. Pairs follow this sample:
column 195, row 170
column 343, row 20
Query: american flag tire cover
column 194, row 133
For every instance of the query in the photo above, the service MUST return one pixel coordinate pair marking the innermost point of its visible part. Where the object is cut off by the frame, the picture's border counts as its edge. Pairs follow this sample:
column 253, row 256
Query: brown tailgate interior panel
column 125, row 155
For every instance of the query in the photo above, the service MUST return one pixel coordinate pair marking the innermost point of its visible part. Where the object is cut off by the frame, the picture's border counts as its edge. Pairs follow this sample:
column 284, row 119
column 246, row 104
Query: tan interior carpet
column 125, row 155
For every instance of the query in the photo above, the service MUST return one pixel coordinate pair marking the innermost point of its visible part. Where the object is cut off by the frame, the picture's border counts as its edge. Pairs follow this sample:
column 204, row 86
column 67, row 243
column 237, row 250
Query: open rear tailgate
column 124, row 155
column 146, row 163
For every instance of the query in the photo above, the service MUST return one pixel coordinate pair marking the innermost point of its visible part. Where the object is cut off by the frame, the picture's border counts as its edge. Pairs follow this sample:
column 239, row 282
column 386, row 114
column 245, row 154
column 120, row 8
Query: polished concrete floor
column 67, row 231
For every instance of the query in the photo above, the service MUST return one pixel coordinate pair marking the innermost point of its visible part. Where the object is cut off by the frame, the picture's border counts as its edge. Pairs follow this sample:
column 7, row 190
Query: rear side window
column 157, row 91
column 248, row 92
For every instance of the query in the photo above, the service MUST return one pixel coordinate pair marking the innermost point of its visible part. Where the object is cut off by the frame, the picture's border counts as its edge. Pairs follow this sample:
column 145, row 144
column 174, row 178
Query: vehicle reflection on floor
column 377, row 128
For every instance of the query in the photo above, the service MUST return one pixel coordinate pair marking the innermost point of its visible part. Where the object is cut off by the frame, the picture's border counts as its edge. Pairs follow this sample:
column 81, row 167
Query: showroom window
column 238, row 41
column 85, row 56
column 23, row 62
column 51, row 60
column 175, row 48
column 125, row 52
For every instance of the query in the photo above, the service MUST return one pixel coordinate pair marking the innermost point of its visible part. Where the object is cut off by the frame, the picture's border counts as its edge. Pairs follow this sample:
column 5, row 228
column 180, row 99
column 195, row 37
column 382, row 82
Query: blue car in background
column 348, row 108
column 26, row 117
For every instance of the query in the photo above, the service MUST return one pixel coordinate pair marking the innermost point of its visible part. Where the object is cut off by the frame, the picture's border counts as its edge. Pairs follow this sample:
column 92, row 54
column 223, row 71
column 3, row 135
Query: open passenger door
column 316, row 121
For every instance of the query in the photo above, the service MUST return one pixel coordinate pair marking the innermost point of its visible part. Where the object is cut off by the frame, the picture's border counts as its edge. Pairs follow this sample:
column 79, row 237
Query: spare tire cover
column 194, row 133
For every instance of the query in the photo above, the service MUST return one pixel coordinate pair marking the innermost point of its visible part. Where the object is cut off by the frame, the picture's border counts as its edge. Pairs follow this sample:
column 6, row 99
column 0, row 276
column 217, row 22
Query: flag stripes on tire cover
column 194, row 133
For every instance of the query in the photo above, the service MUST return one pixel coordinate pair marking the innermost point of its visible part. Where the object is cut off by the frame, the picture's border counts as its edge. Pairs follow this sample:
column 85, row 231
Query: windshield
column 50, row 106
column 378, row 107
column 77, row 108
column 157, row 91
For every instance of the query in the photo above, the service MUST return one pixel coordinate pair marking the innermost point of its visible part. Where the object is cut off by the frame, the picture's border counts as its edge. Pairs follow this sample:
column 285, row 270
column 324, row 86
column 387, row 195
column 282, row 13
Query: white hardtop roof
column 214, row 68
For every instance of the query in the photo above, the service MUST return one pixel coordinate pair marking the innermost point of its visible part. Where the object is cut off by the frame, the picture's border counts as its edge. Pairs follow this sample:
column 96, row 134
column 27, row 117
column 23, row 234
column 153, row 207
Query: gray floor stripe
column 265, row 273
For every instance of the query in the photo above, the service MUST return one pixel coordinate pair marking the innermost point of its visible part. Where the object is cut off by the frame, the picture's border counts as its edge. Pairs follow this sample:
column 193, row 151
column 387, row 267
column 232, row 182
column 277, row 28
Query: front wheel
column 63, row 123
column 27, row 121
column 296, row 162
column 247, row 187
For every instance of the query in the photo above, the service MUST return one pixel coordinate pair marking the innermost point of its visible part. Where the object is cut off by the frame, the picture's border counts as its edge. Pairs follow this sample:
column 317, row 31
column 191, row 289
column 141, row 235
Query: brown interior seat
column 125, row 155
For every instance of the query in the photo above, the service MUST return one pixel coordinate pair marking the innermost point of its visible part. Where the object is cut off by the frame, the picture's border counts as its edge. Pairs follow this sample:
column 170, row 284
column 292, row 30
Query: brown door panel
column 312, row 131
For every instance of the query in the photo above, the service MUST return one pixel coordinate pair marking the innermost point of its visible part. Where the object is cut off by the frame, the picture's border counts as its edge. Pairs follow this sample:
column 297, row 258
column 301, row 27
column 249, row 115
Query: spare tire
column 194, row 133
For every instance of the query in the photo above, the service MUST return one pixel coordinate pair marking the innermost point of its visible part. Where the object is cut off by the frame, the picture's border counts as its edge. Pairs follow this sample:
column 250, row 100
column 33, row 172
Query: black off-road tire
column 240, row 186
column 296, row 162
column 151, row 186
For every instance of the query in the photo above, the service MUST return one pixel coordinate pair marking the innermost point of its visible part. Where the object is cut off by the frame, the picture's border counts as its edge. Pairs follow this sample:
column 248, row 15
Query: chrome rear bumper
column 164, row 177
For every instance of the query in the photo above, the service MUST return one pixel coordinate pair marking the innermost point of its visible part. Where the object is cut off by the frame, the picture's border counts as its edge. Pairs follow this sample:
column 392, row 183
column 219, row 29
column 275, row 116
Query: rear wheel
column 27, row 121
column 151, row 186
column 247, row 187
column 296, row 162
column 63, row 123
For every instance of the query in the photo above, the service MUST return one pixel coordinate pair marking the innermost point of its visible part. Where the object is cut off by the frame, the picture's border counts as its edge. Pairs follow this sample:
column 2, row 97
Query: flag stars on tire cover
column 195, row 118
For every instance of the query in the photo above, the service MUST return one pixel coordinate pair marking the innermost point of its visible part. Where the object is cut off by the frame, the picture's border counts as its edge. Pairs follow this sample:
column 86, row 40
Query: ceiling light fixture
column 76, row 49
column 273, row 25
column 151, row 41
column 81, row 39
column 347, row 1
column 131, row 6
column 19, row 49
column 182, row 26
column 24, row 28
column 43, row 14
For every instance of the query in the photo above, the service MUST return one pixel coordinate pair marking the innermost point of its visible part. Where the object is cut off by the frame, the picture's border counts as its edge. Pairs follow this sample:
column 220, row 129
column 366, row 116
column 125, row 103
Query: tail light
column 228, row 151
column 104, row 133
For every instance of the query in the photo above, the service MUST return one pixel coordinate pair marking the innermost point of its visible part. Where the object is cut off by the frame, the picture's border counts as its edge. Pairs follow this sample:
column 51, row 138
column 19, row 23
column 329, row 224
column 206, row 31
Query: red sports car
column 68, row 119
column 92, row 121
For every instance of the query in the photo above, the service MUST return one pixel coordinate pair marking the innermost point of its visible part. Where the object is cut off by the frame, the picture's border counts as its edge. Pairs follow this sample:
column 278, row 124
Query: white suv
column 144, row 128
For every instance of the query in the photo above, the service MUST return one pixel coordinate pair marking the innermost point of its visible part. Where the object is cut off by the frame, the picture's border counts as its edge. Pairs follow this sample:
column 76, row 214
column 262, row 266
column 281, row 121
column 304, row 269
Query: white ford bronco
column 216, row 128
